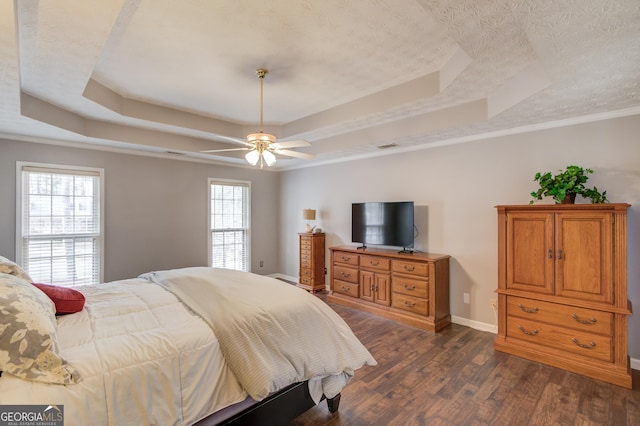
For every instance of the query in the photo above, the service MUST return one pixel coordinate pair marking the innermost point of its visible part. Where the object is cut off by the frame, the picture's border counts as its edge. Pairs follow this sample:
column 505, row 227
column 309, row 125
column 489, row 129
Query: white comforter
column 144, row 358
column 272, row 334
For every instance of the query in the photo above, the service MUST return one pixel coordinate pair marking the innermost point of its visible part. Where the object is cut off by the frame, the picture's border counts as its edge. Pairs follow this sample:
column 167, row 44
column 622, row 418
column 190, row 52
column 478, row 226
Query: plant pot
column 569, row 198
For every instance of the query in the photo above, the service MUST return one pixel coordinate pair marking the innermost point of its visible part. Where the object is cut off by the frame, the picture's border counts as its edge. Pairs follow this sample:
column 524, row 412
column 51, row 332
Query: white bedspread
column 272, row 334
column 144, row 359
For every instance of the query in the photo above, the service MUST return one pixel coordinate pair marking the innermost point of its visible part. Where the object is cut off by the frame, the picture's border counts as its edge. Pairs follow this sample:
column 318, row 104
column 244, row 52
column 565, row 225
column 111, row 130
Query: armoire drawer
column 554, row 336
column 587, row 320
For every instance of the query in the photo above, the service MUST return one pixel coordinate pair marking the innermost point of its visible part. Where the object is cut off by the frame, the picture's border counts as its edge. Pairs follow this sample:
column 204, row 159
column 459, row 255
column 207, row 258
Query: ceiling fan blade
column 295, row 154
column 292, row 144
column 231, row 139
column 227, row 149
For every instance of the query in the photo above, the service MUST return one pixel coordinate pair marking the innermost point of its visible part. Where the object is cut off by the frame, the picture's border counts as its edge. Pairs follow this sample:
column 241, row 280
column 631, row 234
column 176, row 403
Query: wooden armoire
column 562, row 287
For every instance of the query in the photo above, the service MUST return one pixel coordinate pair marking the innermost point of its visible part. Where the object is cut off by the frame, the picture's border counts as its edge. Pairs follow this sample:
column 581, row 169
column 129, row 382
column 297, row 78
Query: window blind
column 229, row 225
column 61, row 230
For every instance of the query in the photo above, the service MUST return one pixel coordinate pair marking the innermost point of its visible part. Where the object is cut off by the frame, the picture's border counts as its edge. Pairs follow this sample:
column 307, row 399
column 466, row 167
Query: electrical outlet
column 262, row 263
column 466, row 298
column 493, row 304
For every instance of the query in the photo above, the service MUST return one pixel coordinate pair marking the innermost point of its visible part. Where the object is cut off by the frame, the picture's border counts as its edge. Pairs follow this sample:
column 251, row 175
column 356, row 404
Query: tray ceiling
column 351, row 77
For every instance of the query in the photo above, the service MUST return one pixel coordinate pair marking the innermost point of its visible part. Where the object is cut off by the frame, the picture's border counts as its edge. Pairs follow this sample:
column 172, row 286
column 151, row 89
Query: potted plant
column 564, row 186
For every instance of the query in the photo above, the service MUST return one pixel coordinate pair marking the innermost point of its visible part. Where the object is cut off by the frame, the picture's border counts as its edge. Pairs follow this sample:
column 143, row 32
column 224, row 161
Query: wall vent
column 387, row 146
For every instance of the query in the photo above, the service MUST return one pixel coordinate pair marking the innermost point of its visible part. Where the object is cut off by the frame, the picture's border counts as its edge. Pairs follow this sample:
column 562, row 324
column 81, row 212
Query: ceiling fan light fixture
column 269, row 158
column 252, row 157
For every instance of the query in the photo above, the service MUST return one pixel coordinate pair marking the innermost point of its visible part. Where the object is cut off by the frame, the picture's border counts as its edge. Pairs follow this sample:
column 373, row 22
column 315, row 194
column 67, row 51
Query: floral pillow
column 12, row 268
column 28, row 345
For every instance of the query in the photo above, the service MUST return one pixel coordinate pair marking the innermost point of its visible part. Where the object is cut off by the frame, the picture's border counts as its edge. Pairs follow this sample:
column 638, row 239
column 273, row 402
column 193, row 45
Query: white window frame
column 58, row 168
column 216, row 181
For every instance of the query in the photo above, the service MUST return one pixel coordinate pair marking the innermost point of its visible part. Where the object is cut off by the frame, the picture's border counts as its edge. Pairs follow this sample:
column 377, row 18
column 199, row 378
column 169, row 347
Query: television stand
column 406, row 251
column 409, row 288
column 362, row 247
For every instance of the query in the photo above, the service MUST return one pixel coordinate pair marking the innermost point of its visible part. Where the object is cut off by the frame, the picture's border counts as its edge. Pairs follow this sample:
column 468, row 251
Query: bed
column 187, row 346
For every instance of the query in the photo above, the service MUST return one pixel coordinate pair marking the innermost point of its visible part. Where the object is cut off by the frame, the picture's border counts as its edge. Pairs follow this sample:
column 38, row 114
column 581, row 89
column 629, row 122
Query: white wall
column 155, row 209
column 455, row 189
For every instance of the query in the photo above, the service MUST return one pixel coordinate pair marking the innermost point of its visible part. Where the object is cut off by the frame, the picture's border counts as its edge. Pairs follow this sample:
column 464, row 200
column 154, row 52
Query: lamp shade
column 309, row 214
column 269, row 158
column 252, row 157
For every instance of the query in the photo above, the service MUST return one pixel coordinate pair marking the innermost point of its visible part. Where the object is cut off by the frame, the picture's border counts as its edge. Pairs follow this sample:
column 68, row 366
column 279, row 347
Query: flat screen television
column 383, row 223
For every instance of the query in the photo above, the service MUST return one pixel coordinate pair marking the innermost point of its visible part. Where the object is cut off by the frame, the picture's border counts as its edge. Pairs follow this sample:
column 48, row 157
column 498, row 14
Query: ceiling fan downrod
column 261, row 74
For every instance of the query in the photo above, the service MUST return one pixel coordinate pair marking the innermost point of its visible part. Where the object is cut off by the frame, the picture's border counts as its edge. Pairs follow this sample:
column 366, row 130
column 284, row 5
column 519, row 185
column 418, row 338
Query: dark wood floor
column 456, row 378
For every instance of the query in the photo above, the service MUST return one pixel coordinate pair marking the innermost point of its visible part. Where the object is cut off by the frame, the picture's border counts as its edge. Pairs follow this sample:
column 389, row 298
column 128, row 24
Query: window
column 59, row 223
column 229, row 224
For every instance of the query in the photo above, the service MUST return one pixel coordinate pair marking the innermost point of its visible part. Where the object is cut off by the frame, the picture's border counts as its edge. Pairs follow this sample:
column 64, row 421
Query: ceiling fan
column 262, row 146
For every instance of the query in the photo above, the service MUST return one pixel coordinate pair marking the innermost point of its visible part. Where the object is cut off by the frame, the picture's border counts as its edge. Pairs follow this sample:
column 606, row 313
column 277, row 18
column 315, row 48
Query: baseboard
column 635, row 364
column 476, row 325
column 284, row 277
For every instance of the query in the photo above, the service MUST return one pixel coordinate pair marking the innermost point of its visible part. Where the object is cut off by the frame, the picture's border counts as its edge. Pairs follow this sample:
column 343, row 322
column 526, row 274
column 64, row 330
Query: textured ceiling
column 348, row 76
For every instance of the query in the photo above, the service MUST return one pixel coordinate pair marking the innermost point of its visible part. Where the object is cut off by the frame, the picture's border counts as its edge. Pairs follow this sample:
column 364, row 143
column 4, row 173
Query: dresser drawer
column 346, row 258
column 410, row 286
column 374, row 262
column 305, row 256
column 305, row 244
column 347, row 288
column 345, row 274
column 568, row 340
column 411, row 304
column 306, row 272
column 408, row 267
column 587, row 320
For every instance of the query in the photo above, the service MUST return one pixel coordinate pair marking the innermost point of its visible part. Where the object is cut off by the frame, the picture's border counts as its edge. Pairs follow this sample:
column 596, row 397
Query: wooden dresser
column 311, row 261
column 409, row 288
column 562, row 287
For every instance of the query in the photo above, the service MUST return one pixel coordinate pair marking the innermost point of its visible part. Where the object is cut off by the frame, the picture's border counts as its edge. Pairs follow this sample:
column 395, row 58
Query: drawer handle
column 409, row 268
column 406, row 287
column 345, row 274
column 345, row 258
column 374, row 263
column 409, row 304
column 591, row 345
column 529, row 311
column 529, row 333
column 581, row 321
column 550, row 253
column 345, row 288
column 305, row 273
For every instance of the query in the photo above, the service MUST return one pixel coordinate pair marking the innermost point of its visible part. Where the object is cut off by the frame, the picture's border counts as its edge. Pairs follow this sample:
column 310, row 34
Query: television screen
column 388, row 224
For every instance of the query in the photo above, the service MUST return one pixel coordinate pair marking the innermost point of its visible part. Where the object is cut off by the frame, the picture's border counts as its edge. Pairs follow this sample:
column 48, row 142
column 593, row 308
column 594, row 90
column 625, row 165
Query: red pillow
column 67, row 300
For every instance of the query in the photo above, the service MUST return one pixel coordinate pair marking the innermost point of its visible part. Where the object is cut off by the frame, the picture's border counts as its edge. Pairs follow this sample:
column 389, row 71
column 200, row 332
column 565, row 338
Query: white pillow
column 28, row 345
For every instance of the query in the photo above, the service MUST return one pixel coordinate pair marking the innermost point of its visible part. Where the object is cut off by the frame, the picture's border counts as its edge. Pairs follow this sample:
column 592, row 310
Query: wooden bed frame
column 276, row 409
